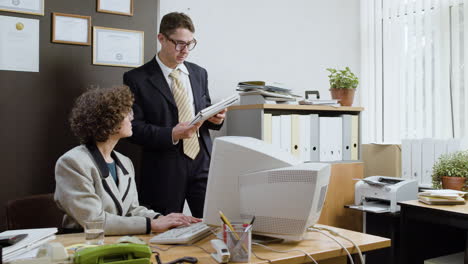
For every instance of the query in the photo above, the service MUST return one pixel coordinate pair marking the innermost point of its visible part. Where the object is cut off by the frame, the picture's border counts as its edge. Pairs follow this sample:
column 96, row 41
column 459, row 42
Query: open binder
column 214, row 109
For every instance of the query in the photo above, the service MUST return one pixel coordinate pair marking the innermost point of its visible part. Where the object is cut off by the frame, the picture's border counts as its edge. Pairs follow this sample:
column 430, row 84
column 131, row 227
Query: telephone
column 114, row 254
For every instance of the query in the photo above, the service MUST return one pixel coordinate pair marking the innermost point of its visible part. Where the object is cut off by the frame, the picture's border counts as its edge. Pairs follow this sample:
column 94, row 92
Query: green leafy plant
column 451, row 165
column 342, row 79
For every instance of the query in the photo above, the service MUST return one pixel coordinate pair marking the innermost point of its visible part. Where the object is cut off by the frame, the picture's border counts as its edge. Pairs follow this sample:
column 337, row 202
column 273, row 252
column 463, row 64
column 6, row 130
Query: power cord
column 336, row 233
column 283, row 251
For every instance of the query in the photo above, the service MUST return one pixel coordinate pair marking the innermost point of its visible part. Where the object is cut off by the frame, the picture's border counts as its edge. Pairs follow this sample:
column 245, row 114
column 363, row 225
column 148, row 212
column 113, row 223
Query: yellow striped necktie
column 191, row 146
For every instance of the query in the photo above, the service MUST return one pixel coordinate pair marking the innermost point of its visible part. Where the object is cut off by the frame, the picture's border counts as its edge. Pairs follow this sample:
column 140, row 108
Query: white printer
column 384, row 193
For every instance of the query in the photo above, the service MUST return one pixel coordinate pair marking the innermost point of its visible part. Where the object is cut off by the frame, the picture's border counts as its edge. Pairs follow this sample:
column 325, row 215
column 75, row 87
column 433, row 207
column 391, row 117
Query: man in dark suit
column 168, row 93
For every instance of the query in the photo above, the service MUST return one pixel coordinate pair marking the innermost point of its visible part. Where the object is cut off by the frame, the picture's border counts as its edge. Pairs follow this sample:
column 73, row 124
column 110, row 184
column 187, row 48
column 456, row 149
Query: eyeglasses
column 180, row 45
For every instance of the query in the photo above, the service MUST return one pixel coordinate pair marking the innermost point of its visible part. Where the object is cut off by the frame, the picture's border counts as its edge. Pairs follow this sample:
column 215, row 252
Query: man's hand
column 184, row 130
column 172, row 220
column 219, row 117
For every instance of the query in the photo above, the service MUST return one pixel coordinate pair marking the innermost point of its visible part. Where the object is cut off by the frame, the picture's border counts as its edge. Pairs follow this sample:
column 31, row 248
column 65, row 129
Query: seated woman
column 95, row 182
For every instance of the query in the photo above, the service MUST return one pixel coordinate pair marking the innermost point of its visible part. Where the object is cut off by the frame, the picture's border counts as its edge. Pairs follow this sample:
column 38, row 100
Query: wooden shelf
column 298, row 107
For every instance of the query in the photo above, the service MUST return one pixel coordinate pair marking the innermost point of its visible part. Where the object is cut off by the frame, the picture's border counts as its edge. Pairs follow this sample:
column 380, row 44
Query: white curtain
column 413, row 74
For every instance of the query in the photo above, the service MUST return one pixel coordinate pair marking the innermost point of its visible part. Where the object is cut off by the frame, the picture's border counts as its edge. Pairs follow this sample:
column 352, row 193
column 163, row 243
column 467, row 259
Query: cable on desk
column 313, row 229
column 182, row 245
column 260, row 258
column 284, row 251
column 336, row 233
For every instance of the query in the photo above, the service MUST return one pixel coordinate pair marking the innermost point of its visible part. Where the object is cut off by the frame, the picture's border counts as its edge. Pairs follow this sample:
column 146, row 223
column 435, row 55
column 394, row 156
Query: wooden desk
column 429, row 231
column 321, row 248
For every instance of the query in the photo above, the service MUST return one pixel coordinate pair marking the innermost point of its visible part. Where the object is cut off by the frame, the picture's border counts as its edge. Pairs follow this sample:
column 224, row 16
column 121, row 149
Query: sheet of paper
column 71, row 29
column 19, row 44
column 25, row 6
column 116, row 47
column 120, row 6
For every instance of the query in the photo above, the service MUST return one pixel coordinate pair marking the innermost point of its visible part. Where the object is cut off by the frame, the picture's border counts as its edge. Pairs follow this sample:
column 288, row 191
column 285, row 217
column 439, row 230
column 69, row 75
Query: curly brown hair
column 97, row 113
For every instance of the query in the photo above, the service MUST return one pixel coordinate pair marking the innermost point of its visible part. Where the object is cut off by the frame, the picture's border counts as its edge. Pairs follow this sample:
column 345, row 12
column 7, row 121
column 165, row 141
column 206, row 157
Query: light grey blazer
column 86, row 190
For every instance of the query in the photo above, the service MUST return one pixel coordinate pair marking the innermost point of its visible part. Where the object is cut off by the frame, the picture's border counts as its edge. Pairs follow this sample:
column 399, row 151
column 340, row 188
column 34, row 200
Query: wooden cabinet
column 340, row 193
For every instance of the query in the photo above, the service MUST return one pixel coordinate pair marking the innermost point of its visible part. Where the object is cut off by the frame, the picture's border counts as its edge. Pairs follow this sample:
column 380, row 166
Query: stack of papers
column 35, row 238
column 331, row 102
column 264, row 92
column 442, row 197
column 214, row 109
column 263, row 85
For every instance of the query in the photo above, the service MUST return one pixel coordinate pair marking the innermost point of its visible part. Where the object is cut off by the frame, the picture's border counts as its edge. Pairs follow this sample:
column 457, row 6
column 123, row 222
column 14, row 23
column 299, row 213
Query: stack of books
column 441, row 197
column 264, row 92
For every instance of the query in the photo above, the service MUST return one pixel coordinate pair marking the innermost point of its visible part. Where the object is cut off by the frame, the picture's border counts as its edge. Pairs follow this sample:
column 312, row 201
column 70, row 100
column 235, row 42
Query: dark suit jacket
column 155, row 114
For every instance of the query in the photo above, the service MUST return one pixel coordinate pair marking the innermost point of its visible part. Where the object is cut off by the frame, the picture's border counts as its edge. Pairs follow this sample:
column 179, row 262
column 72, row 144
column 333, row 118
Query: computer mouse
column 131, row 239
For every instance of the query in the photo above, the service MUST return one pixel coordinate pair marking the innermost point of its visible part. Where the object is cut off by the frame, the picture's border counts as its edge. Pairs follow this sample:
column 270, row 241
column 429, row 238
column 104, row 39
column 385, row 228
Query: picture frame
column 117, row 7
column 31, row 7
column 118, row 47
column 71, row 29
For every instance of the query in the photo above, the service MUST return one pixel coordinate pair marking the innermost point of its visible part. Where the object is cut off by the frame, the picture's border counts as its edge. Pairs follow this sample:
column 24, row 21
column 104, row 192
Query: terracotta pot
column 346, row 96
column 453, row 183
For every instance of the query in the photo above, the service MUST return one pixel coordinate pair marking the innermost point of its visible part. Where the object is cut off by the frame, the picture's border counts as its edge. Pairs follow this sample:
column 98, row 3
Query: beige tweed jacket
column 86, row 190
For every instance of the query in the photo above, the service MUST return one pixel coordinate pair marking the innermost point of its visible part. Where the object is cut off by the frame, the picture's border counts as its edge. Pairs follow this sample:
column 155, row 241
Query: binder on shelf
column 314, row 137
column 295, row 131
column 285, row 133
column 304, row 137
column 267, row 127
column 406, row 159
column 416, row 163
column 453, row 145
column 337, row 143
column 347, row 134
column 354, row 137
column 439, row 148
column 276, row 131
column 331, row 139
column 427, row 162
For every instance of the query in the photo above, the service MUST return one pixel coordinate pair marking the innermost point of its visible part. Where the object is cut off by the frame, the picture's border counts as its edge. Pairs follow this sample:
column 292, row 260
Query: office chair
column 35, row 211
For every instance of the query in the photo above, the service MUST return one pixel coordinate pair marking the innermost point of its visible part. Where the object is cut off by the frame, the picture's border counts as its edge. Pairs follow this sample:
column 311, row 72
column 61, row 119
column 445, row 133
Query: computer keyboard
column 182, row 235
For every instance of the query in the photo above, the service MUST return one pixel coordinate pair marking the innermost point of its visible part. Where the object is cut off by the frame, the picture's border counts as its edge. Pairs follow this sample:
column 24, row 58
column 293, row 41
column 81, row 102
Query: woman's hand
column 172, row 220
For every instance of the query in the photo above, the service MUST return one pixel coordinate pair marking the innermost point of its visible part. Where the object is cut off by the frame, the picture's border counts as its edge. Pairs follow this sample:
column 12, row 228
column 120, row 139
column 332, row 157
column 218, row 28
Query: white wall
column 291, row 42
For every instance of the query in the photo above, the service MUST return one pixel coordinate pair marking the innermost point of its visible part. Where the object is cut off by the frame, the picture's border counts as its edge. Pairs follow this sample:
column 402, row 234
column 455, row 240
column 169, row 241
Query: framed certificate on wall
column 118, row 7
column 71, row 29
column 118, row 47
column 33, row 7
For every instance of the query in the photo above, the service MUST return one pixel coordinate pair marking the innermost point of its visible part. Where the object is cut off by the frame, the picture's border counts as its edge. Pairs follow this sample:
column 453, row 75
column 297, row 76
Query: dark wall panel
column 34, row 107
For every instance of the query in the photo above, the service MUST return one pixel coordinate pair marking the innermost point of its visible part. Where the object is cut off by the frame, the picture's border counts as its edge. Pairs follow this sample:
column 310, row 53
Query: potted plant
column 450, row 171
column 343, row 84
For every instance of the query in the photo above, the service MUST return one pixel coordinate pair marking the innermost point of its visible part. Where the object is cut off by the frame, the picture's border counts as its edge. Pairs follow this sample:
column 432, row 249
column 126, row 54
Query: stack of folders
column 264, row 92
column 441, row 197
column 29, row 245
column 312, row 137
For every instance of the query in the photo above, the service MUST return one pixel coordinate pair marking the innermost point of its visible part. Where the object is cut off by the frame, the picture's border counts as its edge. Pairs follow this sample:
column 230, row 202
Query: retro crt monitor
column 249, row 177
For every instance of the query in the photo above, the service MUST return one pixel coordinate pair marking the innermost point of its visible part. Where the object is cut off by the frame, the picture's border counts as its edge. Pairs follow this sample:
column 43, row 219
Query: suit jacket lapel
column 195, row 83
column 159, row 81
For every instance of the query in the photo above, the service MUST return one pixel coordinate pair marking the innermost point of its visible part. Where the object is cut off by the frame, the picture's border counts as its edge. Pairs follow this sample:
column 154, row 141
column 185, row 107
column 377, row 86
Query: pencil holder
column 239, row 243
